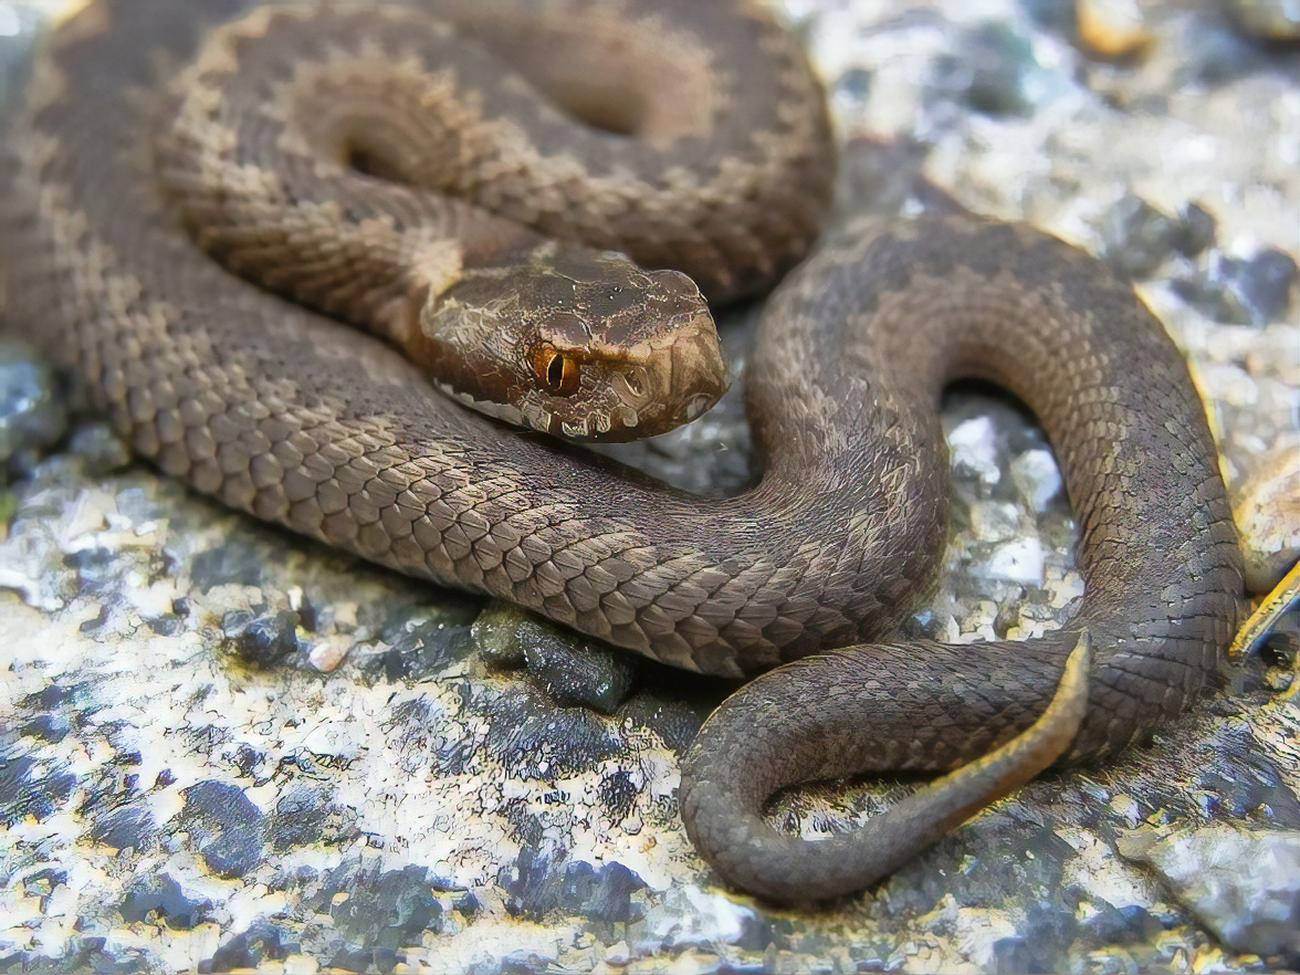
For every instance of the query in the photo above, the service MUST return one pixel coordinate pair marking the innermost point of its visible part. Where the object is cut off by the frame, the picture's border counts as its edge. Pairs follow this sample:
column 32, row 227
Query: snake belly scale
column 720, row 168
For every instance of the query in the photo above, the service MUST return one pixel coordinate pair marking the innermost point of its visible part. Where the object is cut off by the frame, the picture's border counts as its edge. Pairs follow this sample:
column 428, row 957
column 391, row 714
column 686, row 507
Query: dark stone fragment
column 1197, row 230
column 994, row 72
column 227, row 828
column 575, row 670
column 42, row 884
column 163, row 896
column 262, row 641
column 496, row 635
column 126, row 827
column 351, row 959
column 1215, row 55
column 247, row 760
column 467, row 904
column 1245, row 783
column 165, row 625
column 53, row 696
column 1137, row 238
column 1254, row 290
column 261, row 943
column 95, row 622
column 1269, row 20
column 994, row 860
column 232, row 562
column 32, row 416
column 532, row 882
column 27, row 791
column 543, row 882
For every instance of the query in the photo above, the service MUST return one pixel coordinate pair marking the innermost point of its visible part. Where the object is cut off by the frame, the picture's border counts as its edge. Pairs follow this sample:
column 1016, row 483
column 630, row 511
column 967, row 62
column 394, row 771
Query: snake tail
column 793, row 738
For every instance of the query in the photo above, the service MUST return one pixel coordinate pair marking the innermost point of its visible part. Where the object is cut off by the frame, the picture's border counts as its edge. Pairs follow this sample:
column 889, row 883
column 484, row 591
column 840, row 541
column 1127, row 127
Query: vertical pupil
column 555, row 371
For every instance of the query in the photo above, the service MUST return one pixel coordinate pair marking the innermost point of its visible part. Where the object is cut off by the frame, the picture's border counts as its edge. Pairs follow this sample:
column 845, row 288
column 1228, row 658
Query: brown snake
column 710, row 154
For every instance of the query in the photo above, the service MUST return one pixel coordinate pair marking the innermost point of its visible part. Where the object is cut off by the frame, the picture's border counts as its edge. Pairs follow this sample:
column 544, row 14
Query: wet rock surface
column 224, row 747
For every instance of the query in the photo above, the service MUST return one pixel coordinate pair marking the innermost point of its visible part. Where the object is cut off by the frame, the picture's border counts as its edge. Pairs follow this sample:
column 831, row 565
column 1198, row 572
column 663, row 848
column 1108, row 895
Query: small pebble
column 261, row 641
column 1255, row 290
column 32, row 416
column 974, row 447
column 1020, row 561
column 1112, row 29
column 1137, row 238
column 100, row 449
column 1197, row 230
column 327, row 655
column 996, row 72
column 1037, row 477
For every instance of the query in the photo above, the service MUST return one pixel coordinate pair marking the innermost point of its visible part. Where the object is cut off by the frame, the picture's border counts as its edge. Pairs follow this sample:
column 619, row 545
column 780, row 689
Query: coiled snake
column 346, row 155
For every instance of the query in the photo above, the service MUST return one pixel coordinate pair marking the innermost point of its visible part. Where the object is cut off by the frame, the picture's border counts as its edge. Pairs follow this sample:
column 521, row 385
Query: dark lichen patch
column 419, row 648
column 227, row 829
column 618, row 793
column 52, row 728
column 127, row 826
column 262, row 942
column 239, row 562
column 84, row 954
column 984, row 865
column 1131, row 924
column 306, row 816
column 162, row 898
column 382, row 910
column 673, row 705
column 29, row 787
column 532, row 739
column 540, row 884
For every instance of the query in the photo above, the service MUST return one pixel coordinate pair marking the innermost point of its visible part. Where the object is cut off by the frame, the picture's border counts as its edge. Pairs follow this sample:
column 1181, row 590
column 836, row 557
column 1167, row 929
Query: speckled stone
column 224, row 747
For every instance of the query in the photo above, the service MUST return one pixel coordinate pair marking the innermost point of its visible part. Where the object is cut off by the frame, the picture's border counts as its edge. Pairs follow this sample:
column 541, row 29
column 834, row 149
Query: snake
column 367, row 271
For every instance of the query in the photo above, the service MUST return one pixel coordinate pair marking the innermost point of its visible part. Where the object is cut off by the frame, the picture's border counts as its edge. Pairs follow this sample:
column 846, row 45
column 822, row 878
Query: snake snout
column 698, row 371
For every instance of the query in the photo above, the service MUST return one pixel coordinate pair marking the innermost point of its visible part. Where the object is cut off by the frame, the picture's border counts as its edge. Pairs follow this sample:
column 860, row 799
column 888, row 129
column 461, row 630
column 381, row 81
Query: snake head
column 575, row 343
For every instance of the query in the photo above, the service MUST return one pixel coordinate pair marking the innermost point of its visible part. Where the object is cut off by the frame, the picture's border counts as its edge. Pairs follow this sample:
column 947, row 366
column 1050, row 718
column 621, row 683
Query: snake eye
column 556, row 371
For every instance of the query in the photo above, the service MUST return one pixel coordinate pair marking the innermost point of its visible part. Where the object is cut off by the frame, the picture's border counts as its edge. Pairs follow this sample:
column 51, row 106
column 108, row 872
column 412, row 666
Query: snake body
column 723, row 171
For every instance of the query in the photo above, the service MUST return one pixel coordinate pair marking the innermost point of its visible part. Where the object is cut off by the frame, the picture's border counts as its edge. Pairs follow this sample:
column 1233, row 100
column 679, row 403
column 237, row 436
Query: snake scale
column 428, row 174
